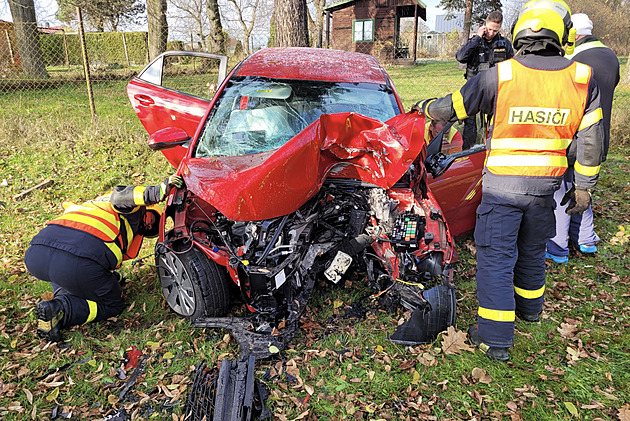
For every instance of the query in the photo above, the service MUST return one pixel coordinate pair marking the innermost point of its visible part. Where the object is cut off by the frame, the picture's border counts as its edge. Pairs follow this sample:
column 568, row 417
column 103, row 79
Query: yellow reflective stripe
column 426, row 110
column 101, row 213
column 117, row 252
column 530, row 294
column 505, row 70
column 496, row 315
column 531, row 144
column 93, row 222
column 458, row 105
column 92, row 315
column 138, row 195
column 128, row 230
column 585, row 170
column 582, row 73
column 591, row 118
column 526, row 161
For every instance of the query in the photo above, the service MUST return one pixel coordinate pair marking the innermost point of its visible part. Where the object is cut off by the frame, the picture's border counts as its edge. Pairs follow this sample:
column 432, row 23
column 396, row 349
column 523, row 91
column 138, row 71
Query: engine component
column 338, row 267
column 407, row 231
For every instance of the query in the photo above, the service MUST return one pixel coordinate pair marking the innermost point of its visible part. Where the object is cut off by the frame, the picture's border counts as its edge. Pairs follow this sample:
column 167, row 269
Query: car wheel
column 193, row 285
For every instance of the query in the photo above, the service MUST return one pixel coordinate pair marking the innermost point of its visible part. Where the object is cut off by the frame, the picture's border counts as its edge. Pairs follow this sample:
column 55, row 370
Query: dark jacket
column 480, row 54
column 86, row 245
column 589, row 50
column 479, row 94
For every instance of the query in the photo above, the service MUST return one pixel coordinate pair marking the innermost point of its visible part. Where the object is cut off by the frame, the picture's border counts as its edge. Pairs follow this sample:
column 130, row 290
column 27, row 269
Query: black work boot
column 50, row 319
column 530, row 318
column 493, row 352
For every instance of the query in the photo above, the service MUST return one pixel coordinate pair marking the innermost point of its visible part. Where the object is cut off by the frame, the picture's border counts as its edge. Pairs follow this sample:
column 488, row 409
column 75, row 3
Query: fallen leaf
column 624, row 413
column 567, row 330
column 29, row 396
column 571, row 408
column 53, row 395
column 454, row 341
column 480, row 375
column 337, row 303
column 416, row 377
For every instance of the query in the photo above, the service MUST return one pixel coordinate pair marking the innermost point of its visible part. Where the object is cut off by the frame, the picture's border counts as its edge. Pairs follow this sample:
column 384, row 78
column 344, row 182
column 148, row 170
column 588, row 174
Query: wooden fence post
column 86, row 65
column 65, row 48
column 126, row 51
column 6, row 32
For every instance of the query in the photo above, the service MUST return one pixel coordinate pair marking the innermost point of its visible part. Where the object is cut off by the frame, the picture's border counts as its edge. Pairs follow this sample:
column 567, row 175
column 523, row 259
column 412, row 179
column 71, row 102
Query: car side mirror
column 168, row 138
column 438, row 163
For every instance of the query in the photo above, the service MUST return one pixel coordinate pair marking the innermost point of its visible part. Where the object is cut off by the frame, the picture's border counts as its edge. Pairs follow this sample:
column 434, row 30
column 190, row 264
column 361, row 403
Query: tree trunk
column 158, row 27
column 316, row 24
column 25, row 26
column 291, row 23
column 467, row 21
column 216, row 38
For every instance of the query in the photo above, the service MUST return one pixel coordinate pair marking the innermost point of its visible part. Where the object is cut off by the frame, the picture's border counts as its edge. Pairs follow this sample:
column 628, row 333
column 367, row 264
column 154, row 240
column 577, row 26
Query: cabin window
column 363, row 30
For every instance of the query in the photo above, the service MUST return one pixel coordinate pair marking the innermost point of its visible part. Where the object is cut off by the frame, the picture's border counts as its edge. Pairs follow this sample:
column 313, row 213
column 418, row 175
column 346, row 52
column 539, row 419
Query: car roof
column 313, row 64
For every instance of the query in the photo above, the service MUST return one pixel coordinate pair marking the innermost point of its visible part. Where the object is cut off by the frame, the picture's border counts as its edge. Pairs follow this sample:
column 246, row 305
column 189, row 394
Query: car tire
column 193, row 285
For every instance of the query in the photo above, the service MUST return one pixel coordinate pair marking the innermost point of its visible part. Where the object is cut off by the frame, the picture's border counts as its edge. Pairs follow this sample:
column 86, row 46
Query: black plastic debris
column 429, row 320
column 133, row 377
column 231, row 394
column 120, row 415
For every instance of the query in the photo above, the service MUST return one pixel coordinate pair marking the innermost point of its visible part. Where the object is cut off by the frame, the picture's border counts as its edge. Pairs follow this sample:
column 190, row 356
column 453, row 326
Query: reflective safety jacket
column 101, row 220
column 547, row 114
column 532, row 131
column 605, row 67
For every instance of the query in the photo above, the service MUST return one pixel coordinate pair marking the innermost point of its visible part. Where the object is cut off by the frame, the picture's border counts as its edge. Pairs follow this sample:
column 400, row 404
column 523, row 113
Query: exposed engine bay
column 401, row 243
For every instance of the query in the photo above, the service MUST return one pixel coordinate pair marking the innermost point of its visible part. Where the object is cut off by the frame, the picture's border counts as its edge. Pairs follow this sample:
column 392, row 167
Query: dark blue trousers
column 511, row 235
column 88, row 291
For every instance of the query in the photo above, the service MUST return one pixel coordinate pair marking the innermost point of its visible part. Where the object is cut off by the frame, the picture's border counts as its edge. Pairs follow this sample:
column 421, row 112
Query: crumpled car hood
column 275, row 183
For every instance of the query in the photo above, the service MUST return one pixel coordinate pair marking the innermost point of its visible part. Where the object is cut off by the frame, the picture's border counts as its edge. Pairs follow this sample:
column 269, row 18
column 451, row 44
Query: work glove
column 580, row 200
column 170, row 182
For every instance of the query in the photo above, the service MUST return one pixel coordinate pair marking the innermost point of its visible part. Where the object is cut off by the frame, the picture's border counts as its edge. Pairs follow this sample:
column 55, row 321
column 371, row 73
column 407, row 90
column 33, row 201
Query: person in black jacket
column 579, row 228
column 78, row 253
column 485, row 49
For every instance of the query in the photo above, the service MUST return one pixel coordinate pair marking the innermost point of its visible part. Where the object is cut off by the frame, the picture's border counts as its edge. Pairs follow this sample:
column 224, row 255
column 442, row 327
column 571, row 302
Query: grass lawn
column 573, row 364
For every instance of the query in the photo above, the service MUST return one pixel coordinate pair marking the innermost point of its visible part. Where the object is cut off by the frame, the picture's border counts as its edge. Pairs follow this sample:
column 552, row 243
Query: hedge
column 104, row 48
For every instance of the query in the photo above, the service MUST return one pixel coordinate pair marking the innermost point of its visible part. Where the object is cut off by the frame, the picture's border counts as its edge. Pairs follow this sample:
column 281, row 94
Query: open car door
column 175, row 90
column 455, row 173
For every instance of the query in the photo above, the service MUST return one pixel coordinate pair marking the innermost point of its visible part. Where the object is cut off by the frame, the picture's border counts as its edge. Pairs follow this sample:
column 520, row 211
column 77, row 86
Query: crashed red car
column 303, row 163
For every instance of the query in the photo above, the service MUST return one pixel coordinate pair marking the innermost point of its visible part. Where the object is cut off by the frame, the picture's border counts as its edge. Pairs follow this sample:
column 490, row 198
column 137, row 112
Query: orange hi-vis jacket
column 536, row 119
column 102, row 221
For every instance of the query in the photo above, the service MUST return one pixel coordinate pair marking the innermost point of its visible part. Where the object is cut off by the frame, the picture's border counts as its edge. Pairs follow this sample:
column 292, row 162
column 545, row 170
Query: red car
column 303, row 162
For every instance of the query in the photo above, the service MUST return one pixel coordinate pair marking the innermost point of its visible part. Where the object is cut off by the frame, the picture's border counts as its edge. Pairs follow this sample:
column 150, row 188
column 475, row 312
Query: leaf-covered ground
column 573, row 364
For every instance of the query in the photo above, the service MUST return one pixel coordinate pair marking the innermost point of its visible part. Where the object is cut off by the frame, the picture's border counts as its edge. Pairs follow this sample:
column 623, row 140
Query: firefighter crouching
column 78, row 253
column 545, row 108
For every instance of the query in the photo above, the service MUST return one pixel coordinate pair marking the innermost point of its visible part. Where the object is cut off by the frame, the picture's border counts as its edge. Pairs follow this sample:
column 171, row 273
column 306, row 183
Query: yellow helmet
column 540, row 19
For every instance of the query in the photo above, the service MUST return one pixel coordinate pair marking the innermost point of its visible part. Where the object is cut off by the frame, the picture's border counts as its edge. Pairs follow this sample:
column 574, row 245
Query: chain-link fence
column 44, row 69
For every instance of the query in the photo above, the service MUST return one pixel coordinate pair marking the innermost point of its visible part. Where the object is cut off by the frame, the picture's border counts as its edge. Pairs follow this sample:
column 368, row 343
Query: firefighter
column 451, row 140
column 78, row 253
column 545, row 108
column 483, row 50
column 579, row 228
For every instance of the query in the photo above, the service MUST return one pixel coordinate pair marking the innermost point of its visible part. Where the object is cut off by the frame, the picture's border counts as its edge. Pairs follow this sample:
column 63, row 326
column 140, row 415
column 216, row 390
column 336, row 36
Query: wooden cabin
column 373, row 27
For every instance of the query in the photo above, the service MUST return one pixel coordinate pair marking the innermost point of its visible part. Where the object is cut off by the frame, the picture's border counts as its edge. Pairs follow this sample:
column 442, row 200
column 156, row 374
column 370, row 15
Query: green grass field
column 574, row 364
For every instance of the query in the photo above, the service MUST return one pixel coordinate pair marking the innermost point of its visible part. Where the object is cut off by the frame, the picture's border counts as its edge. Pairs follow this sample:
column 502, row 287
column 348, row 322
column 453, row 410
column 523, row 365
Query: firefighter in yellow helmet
column 78, row 252
column 546, row 115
